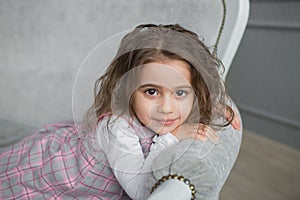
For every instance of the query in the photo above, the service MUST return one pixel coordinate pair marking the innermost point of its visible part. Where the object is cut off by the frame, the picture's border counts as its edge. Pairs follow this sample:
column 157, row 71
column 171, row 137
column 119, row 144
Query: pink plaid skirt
column 55, row 164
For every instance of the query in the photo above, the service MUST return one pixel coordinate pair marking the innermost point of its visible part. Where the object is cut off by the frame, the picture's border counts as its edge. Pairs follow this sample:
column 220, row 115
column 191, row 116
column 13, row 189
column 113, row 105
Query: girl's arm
column 125, row 156
column 204, row 164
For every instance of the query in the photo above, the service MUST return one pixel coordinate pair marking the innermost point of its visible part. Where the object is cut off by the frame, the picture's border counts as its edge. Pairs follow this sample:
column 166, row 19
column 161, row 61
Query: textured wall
column 43, row 43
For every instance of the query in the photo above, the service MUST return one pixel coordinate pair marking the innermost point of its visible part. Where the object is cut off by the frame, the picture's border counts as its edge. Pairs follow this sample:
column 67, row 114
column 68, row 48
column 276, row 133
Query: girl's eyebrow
column 150, row 85
column 184, row 87
column 159, row 86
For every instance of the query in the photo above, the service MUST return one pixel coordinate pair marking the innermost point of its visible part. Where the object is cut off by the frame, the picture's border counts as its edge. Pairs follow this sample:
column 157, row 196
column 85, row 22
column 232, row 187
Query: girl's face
column 164, row 96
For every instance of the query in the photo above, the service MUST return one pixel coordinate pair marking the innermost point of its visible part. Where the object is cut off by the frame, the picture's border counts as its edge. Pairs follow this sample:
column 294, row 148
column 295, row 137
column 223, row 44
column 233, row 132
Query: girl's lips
column 167, row 122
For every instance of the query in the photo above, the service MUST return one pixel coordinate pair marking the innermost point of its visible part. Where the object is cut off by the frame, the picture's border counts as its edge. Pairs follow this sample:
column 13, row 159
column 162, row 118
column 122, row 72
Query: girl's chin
column 162, row 131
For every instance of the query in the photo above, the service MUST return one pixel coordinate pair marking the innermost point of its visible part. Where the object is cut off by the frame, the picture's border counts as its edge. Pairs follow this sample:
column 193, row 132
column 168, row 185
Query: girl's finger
column 236, row 124
column 201, row 137
column 206, row 131
column 212, row 135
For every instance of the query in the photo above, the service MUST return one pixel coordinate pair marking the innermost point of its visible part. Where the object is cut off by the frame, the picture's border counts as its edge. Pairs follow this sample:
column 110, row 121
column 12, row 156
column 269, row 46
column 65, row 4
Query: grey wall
column 265, row 76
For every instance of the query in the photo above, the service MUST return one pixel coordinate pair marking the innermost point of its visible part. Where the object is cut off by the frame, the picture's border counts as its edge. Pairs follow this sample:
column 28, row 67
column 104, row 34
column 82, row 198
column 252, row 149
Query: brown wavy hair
column 153, row 43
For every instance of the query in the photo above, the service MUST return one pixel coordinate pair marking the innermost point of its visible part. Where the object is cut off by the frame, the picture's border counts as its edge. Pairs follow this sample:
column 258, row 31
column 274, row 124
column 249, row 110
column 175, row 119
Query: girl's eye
column 151, row 92
column 181, row 93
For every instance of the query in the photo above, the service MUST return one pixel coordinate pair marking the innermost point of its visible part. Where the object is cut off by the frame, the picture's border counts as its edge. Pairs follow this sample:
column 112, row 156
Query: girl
column 162, row 87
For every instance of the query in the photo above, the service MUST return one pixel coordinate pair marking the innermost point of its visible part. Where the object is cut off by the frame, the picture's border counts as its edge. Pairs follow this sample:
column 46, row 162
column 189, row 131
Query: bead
column 181, row 178
column 186, row 181
column 192, row 187
column 174, row 176
column 164, row 178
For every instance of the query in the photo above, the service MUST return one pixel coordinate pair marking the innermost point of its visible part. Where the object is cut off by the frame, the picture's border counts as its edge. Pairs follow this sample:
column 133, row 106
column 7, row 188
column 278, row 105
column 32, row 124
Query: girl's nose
column 166, row 105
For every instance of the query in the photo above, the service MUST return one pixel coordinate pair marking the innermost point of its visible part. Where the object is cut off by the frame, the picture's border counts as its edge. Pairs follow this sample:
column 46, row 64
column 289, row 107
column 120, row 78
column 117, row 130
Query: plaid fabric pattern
column 55, row 164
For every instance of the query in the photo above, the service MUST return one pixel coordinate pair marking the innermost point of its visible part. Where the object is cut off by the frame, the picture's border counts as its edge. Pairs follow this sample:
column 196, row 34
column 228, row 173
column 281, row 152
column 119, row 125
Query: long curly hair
column 153, row 43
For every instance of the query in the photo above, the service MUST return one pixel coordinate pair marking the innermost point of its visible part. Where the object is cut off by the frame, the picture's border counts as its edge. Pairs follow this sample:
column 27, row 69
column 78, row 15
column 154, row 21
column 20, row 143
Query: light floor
column 264, row 170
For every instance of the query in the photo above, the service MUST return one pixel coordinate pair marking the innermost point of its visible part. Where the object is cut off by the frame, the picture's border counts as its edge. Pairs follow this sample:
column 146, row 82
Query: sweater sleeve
column 124, row 153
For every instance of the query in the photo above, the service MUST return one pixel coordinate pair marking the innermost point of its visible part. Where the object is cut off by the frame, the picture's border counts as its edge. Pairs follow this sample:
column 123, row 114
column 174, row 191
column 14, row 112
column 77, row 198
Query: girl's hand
column 195, row 131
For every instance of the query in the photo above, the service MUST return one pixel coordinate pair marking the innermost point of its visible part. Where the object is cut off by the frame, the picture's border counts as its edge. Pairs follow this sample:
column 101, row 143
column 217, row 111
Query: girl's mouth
column 165, row 122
